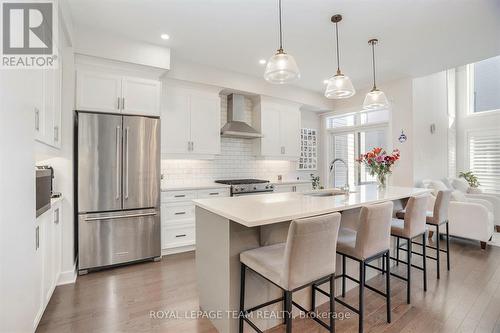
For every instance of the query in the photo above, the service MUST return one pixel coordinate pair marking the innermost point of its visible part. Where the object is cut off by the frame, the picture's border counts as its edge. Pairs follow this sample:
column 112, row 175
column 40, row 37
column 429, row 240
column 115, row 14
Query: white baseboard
column 187, row 248
column 67, row 277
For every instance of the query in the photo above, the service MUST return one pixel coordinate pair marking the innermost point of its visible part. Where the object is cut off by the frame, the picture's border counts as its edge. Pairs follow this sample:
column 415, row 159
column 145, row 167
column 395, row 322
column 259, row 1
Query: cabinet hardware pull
column 180, row 213
column 56, row 213
column 37, row 119
column 56, row 133
column 118, row 167
column 37, row 238
column 182, row 235
column 214, row 193
column 179, row 196
column 118, row 104
column 123, row 103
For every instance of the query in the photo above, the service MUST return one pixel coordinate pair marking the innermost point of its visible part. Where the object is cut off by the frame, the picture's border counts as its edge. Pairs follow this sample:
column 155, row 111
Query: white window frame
column 468, row 135
column 471, row 93
column 356, row 129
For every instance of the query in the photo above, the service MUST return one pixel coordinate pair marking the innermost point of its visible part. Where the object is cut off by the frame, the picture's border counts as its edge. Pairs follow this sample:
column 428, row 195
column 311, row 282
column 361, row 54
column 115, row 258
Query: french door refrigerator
column 118, row 189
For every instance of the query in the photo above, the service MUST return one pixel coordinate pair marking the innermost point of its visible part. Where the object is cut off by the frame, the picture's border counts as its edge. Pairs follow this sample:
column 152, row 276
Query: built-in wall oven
column 43, row 189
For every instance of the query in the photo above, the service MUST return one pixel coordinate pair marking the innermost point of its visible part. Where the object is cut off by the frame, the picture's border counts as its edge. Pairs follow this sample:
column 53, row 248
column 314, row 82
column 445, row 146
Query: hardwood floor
column 466, row 299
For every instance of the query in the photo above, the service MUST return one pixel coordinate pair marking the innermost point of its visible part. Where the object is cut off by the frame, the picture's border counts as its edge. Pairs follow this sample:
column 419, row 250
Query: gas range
column 247, row 186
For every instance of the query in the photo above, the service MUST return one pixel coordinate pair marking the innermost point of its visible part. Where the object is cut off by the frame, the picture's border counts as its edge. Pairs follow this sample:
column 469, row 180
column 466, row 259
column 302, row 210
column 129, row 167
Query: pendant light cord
column 280, row 28
column 338, row 53
column 373, row 62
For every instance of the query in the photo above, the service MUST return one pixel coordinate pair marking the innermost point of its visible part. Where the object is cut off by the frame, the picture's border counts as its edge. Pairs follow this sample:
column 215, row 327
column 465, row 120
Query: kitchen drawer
column 213, row 193
column 177, row 212
column 178, row 236
column 176, row 196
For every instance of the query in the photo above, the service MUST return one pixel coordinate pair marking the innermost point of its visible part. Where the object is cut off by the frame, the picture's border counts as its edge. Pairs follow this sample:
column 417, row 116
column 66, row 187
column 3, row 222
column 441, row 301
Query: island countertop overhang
column 258, row 210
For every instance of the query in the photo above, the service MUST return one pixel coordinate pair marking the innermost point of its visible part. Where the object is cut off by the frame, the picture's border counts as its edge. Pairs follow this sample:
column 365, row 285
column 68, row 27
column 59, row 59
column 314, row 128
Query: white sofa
column 474, row 193
column 469, row 218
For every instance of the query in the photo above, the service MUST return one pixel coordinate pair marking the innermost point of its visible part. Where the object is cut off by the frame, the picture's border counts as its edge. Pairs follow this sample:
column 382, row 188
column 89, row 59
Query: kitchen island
column 225, row 227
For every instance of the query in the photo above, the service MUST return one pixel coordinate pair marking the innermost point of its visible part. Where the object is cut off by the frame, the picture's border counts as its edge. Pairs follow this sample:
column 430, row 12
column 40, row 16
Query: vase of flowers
column 379, row 163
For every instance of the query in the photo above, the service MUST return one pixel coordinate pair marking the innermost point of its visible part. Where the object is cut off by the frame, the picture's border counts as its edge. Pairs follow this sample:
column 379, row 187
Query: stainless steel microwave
column 43, row 190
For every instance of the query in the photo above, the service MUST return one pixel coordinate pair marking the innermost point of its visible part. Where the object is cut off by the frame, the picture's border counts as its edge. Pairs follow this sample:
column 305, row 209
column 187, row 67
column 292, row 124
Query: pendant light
column 338, row 86
column 375, row 99
column 281, row 67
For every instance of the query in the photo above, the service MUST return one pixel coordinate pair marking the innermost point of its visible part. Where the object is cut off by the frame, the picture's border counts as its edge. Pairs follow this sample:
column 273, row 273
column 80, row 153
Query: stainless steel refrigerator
column 118, row 189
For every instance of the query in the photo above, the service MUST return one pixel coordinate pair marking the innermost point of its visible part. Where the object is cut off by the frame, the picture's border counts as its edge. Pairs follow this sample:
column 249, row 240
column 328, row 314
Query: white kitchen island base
column 220, row 240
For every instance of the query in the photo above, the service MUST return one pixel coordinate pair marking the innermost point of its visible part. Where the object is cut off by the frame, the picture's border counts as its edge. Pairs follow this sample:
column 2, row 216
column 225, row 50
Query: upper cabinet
column 279, row 123
column 190, row 123
column 47, row 105
column 120, row 94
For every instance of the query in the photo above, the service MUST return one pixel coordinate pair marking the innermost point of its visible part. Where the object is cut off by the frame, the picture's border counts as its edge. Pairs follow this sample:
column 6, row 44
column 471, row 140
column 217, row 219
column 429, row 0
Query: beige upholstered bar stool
column 370, row 242
column 411, row 227
column 437, row 218
column 308, row 256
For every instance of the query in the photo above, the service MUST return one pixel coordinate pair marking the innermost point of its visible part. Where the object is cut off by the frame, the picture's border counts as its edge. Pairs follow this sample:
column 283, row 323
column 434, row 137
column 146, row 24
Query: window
column 484, row 85
column 352, row 135
column 484, row 158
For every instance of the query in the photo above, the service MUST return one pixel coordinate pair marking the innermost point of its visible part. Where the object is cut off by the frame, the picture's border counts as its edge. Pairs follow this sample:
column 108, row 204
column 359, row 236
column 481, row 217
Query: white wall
column 430, row 107
column 17, row 201
column 400, row 96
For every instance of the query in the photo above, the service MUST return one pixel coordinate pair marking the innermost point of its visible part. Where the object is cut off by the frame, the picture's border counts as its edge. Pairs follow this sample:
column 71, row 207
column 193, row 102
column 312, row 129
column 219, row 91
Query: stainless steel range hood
column 236, row 127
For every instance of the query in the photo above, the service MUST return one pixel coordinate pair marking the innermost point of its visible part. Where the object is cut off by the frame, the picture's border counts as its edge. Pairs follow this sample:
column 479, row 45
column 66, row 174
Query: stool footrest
column 311, row 315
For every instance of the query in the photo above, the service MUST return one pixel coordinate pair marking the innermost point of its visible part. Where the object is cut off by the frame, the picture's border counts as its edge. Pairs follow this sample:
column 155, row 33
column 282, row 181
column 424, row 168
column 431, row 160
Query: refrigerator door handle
column 118, row 180
column 126, row 162
column 89, row 219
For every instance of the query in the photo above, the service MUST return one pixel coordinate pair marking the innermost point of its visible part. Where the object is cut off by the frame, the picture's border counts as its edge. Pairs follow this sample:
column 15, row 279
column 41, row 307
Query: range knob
column 255, row 187
column 236, row 189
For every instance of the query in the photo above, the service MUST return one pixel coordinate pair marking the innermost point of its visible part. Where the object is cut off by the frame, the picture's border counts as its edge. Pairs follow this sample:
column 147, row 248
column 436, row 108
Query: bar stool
column 411, row 227
column 371, row 241
column 436, row 218
column 308, row 256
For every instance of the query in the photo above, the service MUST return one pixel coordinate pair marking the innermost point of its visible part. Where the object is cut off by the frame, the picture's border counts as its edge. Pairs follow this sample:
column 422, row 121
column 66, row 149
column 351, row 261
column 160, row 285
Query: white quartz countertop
column 258, row 210
column 191, row 186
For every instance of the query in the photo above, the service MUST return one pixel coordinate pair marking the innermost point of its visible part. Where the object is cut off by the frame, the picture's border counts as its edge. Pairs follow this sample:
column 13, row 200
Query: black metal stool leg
column 438, row 252
column 285, row 317
column 343, row 276
column 288, row 311
column 242, row 297
column 388, row 285
column 424, row 258
column 332, row 304
column 361, row 296
column 397, row 251
column 408, row 272
column 447, row 246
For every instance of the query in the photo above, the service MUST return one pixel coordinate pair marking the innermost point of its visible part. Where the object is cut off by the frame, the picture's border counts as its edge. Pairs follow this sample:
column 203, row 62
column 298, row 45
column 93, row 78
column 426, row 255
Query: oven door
column 43, row 190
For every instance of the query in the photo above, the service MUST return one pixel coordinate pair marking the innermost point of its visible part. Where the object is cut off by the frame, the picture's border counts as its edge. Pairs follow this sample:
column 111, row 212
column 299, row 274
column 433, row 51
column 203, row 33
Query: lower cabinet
column 178, row 219
column 48, row 256
column 290, row 187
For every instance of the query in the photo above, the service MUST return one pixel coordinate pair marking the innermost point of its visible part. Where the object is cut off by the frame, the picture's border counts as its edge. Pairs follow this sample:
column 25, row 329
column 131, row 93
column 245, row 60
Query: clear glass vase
column 382, row 180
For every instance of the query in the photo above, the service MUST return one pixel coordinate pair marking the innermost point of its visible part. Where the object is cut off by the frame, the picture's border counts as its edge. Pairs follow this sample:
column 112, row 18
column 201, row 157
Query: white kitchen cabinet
column 98, row 92
column 190, row 123
column 293, row 187
column 47, row 106
column 279, row 124
column 102, row 92
column 140, row 96
column 48, row 256
column 178, row 217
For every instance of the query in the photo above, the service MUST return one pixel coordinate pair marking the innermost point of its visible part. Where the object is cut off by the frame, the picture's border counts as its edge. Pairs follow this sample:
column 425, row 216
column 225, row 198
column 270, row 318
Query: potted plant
column 470, row 178
column 379, row 163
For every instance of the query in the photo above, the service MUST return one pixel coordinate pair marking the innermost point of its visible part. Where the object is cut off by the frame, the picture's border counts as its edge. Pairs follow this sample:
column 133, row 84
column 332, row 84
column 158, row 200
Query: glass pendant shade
column 281, row 68
column 339, row 86
column 375, row 100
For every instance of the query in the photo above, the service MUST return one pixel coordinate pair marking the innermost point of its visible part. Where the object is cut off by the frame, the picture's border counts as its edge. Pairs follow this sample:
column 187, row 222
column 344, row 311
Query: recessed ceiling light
column 165, row 36
column 262, row 61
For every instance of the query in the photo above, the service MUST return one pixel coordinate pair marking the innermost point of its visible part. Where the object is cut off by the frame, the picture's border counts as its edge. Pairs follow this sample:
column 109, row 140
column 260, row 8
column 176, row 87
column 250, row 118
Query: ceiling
column 417, row 37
